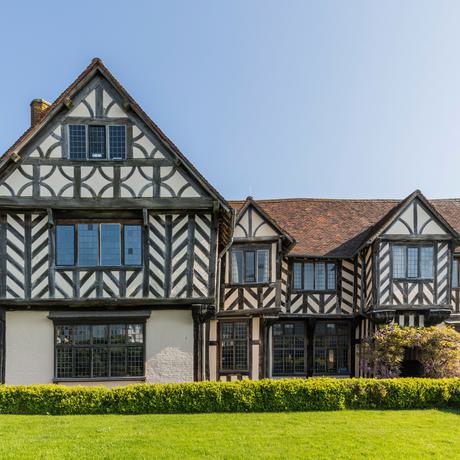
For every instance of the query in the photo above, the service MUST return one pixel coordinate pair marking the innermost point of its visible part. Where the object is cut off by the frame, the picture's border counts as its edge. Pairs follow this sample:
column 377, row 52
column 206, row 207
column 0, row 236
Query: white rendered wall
column 29, row 348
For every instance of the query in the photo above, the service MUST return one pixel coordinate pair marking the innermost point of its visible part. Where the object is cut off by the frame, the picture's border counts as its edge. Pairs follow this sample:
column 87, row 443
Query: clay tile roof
column 338, row 228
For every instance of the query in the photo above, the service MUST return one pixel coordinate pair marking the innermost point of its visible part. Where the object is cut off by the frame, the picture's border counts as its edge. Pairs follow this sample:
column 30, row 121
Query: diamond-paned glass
column 399, row 261
column 65, row 245
column 331, row 348
column 412, row 262
column 110, row 244
column 97, row 141
column 99, row 351
column 77, row 142
column 426, row 262
column 288, row 348
column 88, row 245
column 117, row 142
column 234, row 346
column 133, row 244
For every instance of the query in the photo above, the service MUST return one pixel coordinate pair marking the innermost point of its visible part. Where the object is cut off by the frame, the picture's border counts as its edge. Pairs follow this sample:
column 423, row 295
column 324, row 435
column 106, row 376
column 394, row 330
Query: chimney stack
column 38, row 108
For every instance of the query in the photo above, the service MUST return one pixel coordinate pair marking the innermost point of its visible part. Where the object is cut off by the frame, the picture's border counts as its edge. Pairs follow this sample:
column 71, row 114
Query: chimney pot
column 38, row 108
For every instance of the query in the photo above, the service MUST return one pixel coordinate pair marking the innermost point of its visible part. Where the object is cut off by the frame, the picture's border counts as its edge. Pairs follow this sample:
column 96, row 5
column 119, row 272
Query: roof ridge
column 359, row 200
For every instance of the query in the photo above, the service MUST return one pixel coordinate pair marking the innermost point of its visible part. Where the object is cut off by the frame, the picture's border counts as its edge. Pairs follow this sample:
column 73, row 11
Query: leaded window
column 288, row 348
column 95, row 141
column 234, row 346
column 250, row 265
column 314, row 276
column 455, row 273
column 331, row 348
column 99, row 351
column 413, row 262
column 98, row 244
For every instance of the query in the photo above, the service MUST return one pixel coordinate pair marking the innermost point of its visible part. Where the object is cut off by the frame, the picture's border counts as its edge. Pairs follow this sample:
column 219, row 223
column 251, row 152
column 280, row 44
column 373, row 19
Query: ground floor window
column 85, row 351
column 234, row 339
column 289, row 348
column 331, row 348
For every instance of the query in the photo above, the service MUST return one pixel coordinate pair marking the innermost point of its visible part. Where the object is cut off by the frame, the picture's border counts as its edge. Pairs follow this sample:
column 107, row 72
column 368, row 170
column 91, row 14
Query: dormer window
column 314, row 276
column 413, row 261
column 250, row 265
column 97, row 142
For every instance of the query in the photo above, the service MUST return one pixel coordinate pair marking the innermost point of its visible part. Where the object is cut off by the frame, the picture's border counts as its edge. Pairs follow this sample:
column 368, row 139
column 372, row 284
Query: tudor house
column 120, row 263
column 305, row 280
column 109, row 243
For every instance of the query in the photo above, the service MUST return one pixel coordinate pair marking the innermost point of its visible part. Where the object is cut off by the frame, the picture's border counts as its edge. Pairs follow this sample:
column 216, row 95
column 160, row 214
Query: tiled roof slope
column 337, row 228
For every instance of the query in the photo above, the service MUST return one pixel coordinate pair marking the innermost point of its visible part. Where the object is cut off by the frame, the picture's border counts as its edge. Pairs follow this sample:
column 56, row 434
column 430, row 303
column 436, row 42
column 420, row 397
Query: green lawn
column 317, row 435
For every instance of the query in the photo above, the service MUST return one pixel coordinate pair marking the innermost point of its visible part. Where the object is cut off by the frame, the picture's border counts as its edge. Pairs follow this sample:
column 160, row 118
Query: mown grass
column 410, row 435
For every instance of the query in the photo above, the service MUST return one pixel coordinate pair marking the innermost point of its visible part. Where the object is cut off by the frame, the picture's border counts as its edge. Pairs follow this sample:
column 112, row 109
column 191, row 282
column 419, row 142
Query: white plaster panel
column 29, row 348
column 169, row 346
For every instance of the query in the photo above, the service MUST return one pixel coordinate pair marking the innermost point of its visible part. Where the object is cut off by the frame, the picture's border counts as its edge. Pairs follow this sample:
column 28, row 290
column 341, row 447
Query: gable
column 416, row 219
column 252, row 224
column 150, row 169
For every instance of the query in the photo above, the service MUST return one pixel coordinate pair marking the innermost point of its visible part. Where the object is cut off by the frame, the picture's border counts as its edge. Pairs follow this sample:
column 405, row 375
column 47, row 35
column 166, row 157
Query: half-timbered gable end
column 97, row 160
column 109, row 240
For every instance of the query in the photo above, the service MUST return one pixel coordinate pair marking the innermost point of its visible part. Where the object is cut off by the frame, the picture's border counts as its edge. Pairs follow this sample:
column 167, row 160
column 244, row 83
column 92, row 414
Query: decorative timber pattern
column 347, row 285
column 179, row 254
column 40, row 256
column 384, row 271
column 420, row 292
column 455, row 300
column 317, row 303
column 284, row 284
column 368, row 270
column 442, row 272
column 250, row 298
column 15, row 255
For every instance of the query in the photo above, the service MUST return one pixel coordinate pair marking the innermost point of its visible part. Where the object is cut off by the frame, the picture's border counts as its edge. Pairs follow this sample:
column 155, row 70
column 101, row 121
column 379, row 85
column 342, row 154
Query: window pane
column 297, row 275
column 135, row 360
column 308, row 283
column 118, row 333
column 412, row 262
column 118, row 362
column 100, row 335
column 331, row 348
column 96, row 141
column 88, row 245
column 135, row 333
column 455, row 273
column 117, row 142
column 288, row 348
column 77, row 142
column 426, row 262
column 399, row 261
column 133, row 244
column 237, row 267
column 65, row 245
column 331, row 276
column 64, row 363
column 234, row 340
column 320, row 276
column 262, row 266
column 100, row 362
column 110, row 244
column 82, row 362
column 82, row 335
column 249, row 262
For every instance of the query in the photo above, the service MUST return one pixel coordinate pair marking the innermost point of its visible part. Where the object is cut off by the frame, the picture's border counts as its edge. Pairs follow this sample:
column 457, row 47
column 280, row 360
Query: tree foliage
column 438, row 350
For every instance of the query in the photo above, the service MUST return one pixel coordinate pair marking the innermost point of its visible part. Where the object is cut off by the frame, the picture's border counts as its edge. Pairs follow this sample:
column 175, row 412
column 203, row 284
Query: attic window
column 93, row 142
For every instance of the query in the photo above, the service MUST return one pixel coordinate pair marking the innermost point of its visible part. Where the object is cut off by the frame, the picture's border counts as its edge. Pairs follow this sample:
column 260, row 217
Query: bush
column 247, row 396
column 438, row 349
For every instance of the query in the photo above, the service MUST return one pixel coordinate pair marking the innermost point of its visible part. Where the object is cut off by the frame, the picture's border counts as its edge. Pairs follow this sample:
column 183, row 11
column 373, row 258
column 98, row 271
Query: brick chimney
column 38, row 108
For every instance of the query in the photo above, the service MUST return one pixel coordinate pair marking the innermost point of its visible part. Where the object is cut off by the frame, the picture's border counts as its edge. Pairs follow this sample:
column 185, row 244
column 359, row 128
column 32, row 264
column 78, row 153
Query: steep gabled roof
column 289, row 240
column 339, row 228
column 97, row 66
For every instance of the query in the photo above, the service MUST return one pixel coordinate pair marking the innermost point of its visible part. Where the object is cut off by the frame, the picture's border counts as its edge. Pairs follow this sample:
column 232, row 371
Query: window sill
column 414, row 280
column 233, row 372
column 100, row 379
column 242, row 285
column 324, row 291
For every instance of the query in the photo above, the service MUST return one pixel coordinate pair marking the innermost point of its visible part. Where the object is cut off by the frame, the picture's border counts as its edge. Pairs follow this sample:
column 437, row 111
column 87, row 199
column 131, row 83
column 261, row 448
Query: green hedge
column 247, row 396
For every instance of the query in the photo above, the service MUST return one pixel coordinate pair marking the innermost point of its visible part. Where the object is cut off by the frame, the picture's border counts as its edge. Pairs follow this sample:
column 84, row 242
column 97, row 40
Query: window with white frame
column 97, row 142
column 250, row 265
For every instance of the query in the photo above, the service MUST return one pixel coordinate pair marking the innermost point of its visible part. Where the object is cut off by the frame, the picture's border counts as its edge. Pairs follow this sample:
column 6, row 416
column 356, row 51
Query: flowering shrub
column 438, row 350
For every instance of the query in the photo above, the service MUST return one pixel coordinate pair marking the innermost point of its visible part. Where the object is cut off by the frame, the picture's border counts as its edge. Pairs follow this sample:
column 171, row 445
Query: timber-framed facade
column 120, row 263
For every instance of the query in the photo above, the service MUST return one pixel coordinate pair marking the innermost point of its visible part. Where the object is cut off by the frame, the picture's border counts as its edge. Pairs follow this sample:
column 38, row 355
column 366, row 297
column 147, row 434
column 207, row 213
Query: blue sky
column 351, row 99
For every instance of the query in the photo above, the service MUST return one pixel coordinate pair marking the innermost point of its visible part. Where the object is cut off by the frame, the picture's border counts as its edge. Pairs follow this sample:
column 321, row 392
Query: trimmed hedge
column 318, row 394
